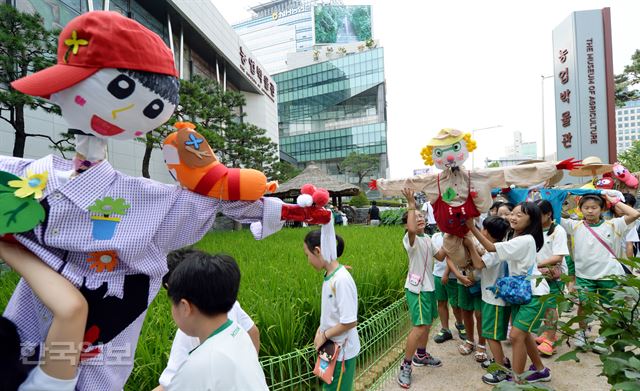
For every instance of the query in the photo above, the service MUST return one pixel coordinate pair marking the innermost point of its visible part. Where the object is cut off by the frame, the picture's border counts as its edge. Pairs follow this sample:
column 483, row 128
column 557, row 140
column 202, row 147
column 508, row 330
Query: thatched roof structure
column 314, row 175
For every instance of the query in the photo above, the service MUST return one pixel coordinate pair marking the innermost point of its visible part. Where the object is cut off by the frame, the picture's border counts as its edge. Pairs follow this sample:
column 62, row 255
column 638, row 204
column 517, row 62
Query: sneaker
column 546, row 348
column 427, row 360
column 462, row 333
column 536, row 376
column 486, row 364
column 443, row 336
column 580, row 339
column 496, row 377
column 404, row 377
column 599, row 346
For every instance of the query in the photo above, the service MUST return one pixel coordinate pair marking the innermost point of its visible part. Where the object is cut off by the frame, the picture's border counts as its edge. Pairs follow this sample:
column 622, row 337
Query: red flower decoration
column 103, row 260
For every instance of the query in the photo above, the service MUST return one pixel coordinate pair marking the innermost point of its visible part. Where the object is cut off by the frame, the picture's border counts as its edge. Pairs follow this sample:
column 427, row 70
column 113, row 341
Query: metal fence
column 378, row 336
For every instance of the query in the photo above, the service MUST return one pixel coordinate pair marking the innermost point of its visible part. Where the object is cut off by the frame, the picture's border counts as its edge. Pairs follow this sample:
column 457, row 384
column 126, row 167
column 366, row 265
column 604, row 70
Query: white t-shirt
column 340, row 305
column 520, row 254
column 420, row 263
column 555, row 244
column 183, row 344
column 439, row 266
column 428, row 213
column 493, row 270
column 39, row 381
column 592, row 260
column 630, row 236
column 225, row 361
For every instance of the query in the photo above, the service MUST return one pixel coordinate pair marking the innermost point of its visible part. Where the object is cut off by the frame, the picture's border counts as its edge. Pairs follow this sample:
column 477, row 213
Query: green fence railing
column 378, row 336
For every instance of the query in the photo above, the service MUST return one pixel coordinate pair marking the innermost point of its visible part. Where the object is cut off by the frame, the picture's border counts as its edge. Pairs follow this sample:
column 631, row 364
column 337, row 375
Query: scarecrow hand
column 373, row 185
column 309, row 215
column 568, row 164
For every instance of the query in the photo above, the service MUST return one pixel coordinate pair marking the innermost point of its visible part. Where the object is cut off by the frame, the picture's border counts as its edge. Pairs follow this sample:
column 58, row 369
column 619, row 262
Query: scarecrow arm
column 393, row 187
column 523, row 176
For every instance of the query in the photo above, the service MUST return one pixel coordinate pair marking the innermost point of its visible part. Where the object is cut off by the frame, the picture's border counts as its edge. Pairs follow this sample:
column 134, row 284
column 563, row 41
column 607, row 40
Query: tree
column 282, row 171
column 25, row 47
column 625, row 81
column 493, row 164
column 217, row 116
column 631, row 157
column 360, row 164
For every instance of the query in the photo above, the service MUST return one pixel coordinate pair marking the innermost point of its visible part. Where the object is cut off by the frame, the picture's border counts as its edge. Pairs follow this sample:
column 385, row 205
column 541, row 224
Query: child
column 203, row 289
column 446, row 286
column 520, row 255
column 505, row 210
column 550, row 256
column 631, row 235
column 339, row 311
column 493, row 210
column 471, row 308
column 419, row 290
column 182, row 343
column 61, row 350
column 495, row 312
column 596, row 243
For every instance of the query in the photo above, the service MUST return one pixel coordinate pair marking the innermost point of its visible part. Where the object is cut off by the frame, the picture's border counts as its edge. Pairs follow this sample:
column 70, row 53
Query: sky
column 471, row 64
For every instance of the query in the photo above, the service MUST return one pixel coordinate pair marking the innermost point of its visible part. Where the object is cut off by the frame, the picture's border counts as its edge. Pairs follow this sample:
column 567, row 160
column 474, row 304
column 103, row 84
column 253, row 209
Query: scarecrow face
column 113, row 104
column 449, row 156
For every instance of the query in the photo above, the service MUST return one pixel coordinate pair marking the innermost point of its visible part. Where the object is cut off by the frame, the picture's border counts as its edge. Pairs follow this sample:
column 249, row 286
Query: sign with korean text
column 582, row 95
column 257, row 74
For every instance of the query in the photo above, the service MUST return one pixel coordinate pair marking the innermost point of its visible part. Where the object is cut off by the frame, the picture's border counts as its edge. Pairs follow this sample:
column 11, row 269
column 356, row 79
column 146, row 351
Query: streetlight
column 542, row 77
column 473, row 134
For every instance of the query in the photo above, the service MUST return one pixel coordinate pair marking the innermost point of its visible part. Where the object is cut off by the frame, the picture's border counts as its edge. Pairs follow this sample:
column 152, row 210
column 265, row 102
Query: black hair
column 496, row 205
column 173, row 260
column 535, row 223
column 312, row 240
column 497, row 227
column 546, row 208
column 210, row 282
column 629, row 199
column 12, row 371
column 593, row 197
column 374, row 203
column 509, row 206
column 166, row 86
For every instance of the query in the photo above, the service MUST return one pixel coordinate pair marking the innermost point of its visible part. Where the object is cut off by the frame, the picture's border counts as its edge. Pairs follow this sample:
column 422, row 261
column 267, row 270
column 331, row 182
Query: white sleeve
column 405, row 241
column 559, row 243
column 490, row 259
column 39, row 381
column 569, row 225
column 515, row 248
column 347, row 296
column 180, row 348
column 241, row 317
column 632, row 234
column 621, row 226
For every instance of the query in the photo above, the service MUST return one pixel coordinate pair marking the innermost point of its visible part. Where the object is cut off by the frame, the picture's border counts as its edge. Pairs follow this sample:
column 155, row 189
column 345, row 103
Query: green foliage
column 25, row 47
column 628, row 79
column 360, row 164
column 630, row 158
column 361, row 20
column 282, row 171
column 391, row 203
column 391, row 216
column 328, row 20
column 494, row 164
column 360, row 200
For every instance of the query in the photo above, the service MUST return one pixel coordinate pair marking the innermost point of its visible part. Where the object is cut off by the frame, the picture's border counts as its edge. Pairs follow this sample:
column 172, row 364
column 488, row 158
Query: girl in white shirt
column 520, row 255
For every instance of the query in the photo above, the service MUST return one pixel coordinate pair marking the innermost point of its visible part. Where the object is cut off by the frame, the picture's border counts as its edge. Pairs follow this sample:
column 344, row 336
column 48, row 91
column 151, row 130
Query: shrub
column 391, row 203
column 391, row 217
column 359, row 200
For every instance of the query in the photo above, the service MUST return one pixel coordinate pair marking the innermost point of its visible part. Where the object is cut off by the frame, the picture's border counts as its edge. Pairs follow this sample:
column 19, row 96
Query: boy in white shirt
column 495, row 312
column 203, row 288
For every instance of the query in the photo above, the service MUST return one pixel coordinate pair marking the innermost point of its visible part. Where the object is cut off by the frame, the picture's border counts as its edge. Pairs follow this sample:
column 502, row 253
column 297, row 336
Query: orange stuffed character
column 193, row 164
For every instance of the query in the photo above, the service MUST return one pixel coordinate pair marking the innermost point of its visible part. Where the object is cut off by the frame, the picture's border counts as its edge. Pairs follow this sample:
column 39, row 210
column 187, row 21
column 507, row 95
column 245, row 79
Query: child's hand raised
column 409, row 194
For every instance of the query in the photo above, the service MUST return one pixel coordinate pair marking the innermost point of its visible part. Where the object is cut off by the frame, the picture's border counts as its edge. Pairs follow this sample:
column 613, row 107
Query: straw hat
column 556, row 178
column 591, row 166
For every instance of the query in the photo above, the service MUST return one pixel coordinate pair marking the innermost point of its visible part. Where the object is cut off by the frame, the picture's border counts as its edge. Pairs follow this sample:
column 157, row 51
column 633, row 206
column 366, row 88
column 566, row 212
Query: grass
column 279, row 290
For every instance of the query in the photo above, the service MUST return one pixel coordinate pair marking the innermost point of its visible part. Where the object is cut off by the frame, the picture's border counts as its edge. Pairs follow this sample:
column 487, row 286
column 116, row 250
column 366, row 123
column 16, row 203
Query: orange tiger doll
column 193, row 164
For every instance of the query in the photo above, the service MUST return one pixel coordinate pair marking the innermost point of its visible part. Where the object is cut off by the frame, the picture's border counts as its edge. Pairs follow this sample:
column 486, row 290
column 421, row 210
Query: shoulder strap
column 595, row 235
column 469, row 184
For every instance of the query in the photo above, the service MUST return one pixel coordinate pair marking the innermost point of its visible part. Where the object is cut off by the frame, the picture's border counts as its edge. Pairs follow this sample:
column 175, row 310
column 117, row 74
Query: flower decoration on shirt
column 104, row 221
column 33, row 184
column 73, row 44
column 102, row 261
column 20, row 210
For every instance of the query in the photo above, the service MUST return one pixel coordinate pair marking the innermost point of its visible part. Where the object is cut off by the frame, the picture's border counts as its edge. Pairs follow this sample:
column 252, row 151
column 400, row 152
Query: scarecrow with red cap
column 109, row 233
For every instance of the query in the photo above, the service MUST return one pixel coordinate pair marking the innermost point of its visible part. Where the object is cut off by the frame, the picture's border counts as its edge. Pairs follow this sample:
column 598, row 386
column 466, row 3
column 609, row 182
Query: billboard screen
column 342, row 23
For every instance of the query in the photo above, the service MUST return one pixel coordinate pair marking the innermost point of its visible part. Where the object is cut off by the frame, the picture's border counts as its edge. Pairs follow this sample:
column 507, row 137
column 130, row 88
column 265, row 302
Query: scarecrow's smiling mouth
column 103, row 127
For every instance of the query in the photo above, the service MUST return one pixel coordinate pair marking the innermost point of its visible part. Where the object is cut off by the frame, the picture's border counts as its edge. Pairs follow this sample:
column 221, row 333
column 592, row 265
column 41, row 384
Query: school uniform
column 419, row 285
column 520, row 255
column 554, row 244
column 449, row 291
column 495, row 311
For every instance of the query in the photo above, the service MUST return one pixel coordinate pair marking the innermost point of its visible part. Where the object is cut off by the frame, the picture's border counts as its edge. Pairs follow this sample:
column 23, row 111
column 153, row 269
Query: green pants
column 342, row 381
column 448, row 292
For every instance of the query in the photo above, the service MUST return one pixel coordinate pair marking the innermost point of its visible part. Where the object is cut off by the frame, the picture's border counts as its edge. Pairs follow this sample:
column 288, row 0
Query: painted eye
column 153, row 109
column 122, row 86
column 457, row 147
column 437, row 152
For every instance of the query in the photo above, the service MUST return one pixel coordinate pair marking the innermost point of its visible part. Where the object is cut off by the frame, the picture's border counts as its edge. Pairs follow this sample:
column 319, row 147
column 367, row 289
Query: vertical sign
column 583, row 97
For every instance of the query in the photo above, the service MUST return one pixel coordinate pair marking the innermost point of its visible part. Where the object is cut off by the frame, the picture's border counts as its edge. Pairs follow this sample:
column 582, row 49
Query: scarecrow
column 106, row 232
column 458, row 194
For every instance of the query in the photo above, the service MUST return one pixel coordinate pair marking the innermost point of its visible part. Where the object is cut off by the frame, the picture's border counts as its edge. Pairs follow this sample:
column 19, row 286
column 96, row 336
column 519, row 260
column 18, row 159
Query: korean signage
column 291, row 11
column 257, row 74
column 583, row 94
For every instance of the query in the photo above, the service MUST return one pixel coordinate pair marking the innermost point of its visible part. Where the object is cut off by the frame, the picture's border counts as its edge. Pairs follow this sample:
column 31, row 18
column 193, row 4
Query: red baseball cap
column 97, row 40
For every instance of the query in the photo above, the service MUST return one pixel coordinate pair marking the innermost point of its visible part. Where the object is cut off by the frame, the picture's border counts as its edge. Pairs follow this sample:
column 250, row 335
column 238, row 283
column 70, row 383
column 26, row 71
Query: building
column 329, row 109
column 278, row 28
column 627, row 124
column 203, row 44
column 520, row 151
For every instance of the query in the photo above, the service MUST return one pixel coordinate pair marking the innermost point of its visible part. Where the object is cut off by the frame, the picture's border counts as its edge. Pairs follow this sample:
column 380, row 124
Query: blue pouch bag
column 514, row 290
